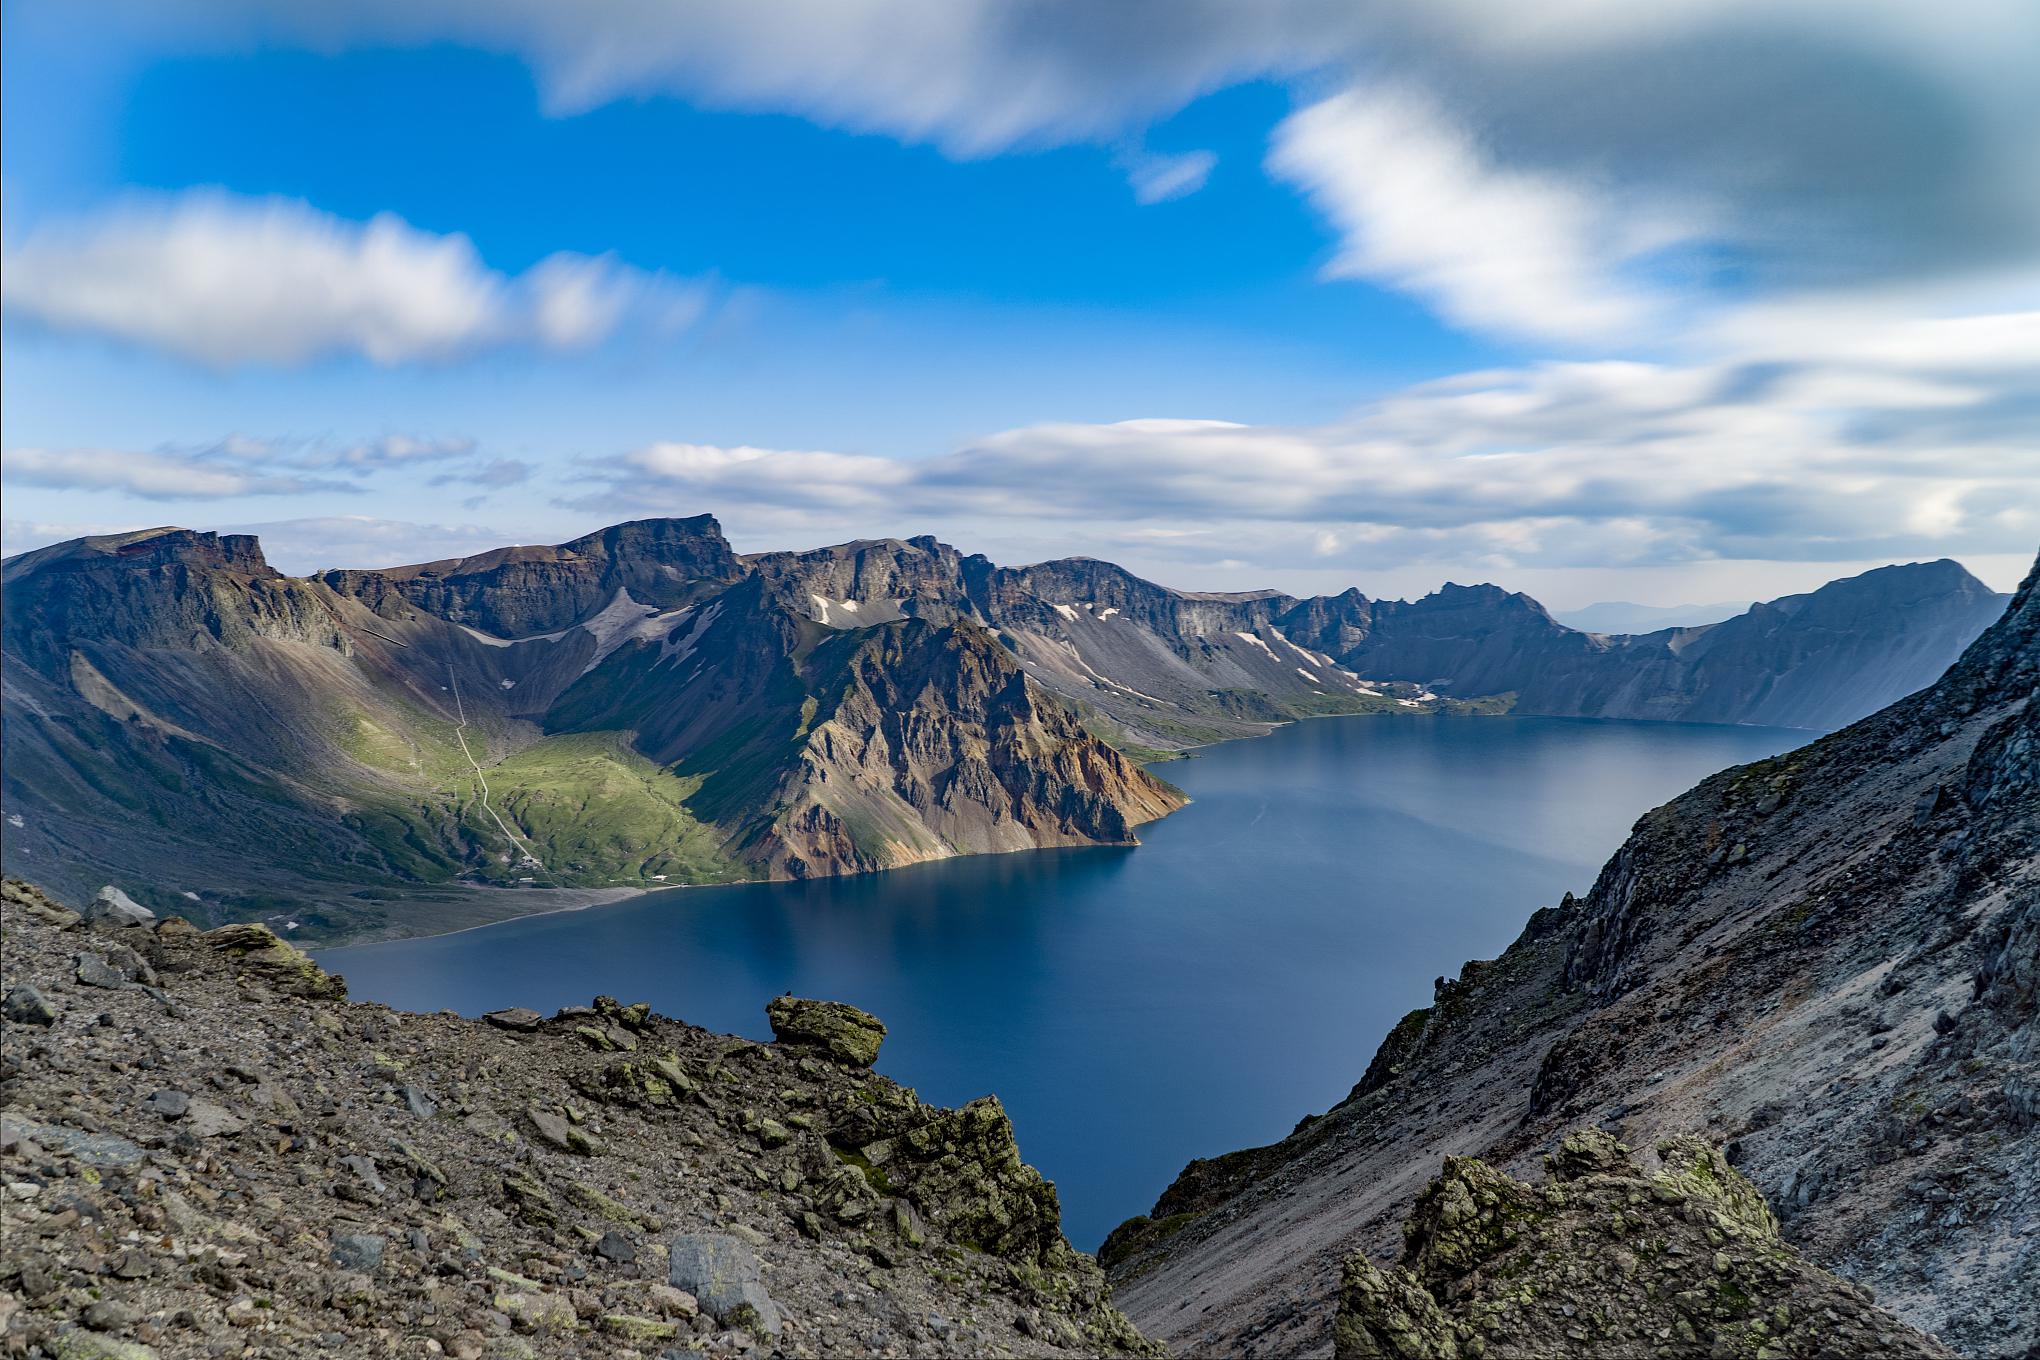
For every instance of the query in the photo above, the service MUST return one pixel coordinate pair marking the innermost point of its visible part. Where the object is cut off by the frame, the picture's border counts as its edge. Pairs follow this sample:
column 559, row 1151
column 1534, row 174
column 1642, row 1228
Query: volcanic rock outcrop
column 1603, row 1259
column 207, row 1150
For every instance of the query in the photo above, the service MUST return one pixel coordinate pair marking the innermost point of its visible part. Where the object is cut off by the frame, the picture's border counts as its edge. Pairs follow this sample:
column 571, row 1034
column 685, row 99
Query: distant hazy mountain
column 1620, row 616
column 644, row 706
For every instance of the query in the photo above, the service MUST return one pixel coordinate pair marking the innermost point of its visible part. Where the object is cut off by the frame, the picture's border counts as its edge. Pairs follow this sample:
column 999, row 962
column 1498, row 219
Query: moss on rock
column 1604, row 1259
column 843, row 1032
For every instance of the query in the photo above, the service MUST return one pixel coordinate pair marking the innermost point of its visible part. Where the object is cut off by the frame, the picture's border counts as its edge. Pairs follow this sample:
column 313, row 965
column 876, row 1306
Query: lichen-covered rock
column 16, row 895
column 1604, row 1259
column 723, row 1276
column 258, row 950
column 842, row 1031
column 962, row 1169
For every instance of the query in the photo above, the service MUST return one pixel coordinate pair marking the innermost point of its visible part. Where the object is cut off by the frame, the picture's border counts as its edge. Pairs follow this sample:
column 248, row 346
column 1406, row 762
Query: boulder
column 169, row 1104
column 843, row 1032
column 516, row 1019
column 723, row 1276
column 203, row 1119
column 114, row 968
column 114, row 908
column 555, row 1131
column 359, row 1251
column 282, row 965
column 27, row 1006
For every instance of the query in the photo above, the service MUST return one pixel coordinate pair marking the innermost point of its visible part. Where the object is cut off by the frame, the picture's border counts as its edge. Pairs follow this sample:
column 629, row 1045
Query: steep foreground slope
column 207, row 1151
column 1828, row 962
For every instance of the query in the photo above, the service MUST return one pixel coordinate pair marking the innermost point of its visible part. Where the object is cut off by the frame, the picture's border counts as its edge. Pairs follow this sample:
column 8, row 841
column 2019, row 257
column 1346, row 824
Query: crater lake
column 1135, row 1008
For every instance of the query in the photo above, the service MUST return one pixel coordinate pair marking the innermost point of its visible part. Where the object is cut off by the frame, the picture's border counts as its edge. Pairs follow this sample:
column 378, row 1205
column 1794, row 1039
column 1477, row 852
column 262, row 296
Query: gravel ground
column 208, row 1151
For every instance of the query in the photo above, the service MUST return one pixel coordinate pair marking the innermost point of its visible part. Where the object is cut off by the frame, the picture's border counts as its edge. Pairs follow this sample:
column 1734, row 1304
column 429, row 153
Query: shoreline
column 587, row 899
column 591, row 898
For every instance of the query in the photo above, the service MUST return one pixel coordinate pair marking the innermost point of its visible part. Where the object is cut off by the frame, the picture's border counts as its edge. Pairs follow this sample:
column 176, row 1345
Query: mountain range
column 1623, row 616
column 644, row 706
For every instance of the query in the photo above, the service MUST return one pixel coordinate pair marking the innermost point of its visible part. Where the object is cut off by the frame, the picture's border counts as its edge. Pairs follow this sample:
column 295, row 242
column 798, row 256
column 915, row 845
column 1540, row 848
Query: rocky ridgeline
column 207, row 1150
column 1603, row 1259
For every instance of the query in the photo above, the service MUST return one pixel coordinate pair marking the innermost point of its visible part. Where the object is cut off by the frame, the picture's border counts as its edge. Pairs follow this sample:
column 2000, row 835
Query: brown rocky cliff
column 932, row 741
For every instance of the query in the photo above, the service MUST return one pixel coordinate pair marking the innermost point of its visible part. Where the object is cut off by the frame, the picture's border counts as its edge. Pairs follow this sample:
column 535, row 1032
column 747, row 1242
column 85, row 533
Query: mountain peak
column 650, row 536
column 240, row 553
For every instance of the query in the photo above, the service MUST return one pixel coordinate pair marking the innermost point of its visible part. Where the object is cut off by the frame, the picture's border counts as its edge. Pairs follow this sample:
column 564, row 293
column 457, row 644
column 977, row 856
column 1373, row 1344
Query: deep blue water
column 1139, row 1007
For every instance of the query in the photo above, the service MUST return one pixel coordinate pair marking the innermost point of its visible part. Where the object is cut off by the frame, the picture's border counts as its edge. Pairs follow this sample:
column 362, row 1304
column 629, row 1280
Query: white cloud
column 246, row 465
column 830, row 481
column 1158, row 178
column 1422, row 210
column 226, row 281
column 1839, row 456
column 150, row 476
column 1813, row 145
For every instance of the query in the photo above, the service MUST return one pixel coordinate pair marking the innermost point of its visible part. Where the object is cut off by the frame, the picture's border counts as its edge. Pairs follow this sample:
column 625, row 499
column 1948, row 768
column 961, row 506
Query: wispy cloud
column 240, row 465
column 151, row 476
column 1422, row 209
column 494, row 474
column 1158, row 178
column 229, row 281
column 1884, row 444
column 314, row 543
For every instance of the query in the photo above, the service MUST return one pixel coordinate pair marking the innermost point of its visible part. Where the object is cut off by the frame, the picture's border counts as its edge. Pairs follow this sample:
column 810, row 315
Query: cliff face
column 208, row 1149
column 1823, row 962
column 1820, row 659
column 516, row 592
column 156, row 588
column 1170, row 668
column 932, row 742
column 633, row 708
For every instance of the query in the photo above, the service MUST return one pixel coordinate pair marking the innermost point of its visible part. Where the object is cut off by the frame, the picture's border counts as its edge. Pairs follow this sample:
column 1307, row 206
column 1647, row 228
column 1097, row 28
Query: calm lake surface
column 1138, row 1008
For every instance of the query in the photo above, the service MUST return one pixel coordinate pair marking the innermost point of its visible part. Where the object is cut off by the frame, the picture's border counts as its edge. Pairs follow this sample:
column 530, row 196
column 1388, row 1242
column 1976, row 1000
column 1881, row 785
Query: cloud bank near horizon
column 1910, row 440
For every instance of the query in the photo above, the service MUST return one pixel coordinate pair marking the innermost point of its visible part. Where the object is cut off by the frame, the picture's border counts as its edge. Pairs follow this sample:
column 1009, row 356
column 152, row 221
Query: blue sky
column 1237, row 296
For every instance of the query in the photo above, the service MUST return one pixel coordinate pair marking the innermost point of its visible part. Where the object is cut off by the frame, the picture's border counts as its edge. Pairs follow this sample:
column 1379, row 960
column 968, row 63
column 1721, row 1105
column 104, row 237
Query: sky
column 1699, row 300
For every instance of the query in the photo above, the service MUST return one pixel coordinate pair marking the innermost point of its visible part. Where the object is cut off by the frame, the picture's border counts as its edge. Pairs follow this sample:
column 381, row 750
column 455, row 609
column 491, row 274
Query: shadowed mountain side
column 1824, row 961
